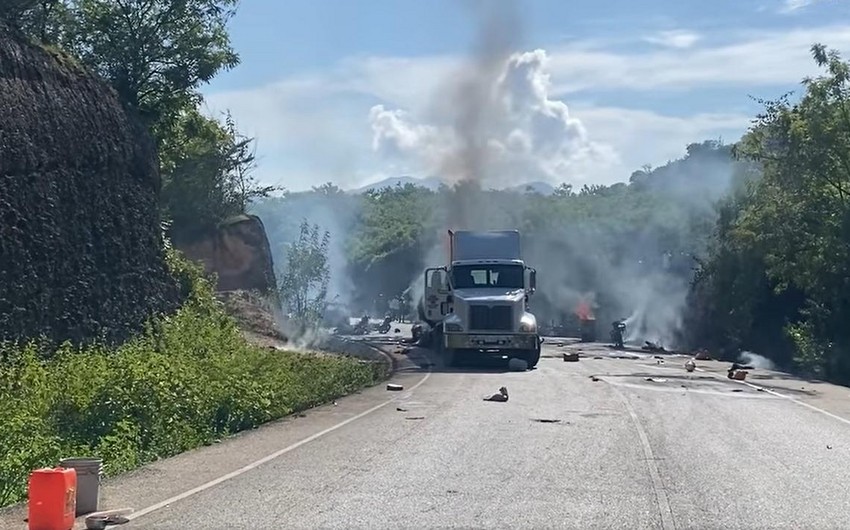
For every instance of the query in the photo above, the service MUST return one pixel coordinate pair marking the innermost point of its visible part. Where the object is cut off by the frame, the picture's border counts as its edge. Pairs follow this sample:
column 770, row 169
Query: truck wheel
column 449, row 357
column 532, row 357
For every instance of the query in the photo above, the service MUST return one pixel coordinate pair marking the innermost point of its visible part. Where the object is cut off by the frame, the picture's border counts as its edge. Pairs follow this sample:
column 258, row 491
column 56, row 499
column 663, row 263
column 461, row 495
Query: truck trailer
column 479, row 302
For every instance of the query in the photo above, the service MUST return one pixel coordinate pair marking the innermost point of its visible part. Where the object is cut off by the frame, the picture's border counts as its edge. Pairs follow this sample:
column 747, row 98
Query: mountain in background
column 433, row 184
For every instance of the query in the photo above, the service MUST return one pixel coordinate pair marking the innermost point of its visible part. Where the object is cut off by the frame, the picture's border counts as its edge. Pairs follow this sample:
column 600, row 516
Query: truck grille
column 495, row 318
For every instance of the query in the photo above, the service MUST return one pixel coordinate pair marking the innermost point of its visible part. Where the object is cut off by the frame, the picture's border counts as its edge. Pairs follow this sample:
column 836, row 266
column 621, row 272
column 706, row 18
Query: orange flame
column 584, row 312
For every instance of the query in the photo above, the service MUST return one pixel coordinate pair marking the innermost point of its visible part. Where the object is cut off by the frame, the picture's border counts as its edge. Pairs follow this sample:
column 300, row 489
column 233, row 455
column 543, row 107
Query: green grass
column 189, row 380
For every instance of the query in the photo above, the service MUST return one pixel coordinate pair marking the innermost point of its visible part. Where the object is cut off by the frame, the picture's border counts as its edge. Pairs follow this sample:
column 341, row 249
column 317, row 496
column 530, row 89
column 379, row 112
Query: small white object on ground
column 394, row 388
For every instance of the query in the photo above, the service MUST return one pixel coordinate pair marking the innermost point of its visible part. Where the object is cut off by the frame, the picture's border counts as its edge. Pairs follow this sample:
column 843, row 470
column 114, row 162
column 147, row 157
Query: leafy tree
column 304, row 284
column 155, row 53
column 206, row 174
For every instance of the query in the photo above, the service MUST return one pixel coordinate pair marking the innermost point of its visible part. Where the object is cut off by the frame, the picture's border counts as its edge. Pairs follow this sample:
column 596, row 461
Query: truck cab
column 480, row 301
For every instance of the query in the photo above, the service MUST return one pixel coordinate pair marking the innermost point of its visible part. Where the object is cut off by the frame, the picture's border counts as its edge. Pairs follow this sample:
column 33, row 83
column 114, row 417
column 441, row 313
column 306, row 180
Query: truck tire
column 532, row 357
column 449, row 357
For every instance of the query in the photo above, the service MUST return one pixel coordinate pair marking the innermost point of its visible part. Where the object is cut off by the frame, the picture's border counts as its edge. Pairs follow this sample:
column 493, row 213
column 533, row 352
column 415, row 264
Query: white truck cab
column 479, row 302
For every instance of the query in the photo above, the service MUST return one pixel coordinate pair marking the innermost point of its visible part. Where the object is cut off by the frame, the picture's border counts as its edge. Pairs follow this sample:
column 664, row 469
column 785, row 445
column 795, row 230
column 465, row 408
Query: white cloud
column 758, row 59
column 790, row 6
column 520, row 133
column 316, row 127
column 678, row 38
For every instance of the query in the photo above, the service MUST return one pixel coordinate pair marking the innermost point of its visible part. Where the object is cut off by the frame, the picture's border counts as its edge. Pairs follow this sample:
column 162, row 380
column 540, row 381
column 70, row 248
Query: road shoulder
column 166, row 478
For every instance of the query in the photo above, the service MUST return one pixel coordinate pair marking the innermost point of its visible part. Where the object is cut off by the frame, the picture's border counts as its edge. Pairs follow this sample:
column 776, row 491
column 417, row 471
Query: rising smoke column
column 471, row 101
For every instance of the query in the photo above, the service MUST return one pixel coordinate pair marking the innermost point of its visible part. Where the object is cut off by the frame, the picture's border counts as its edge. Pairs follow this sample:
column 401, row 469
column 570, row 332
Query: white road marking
column 258, row 463
column 664, row 510
column 783, row 396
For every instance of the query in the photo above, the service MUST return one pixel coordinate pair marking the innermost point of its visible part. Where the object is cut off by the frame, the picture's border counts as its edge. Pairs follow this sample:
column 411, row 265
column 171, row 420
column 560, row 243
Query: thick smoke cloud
column 505, row 127
column 493, row 124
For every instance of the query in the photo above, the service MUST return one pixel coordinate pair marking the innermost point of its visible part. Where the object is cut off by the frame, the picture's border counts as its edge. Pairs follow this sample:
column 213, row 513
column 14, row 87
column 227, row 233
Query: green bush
column 189, row 380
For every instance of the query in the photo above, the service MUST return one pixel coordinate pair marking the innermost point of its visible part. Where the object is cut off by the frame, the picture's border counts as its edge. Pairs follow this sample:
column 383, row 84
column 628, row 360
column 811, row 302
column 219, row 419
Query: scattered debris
column 415, row 418
column 335, row 403
column 702, row 355
column 595, row 379
column 501, row 396
column 397, row 330
column 394, row 388
column 598, row 357
column 737, row 390
column 517, row 365
column 738, row 375
column 571, row 357
column 651, row 346
column 546, row 420
column 760, row 389
column 560, row 345
column 655, row 379
column 690, row 365
column 829, row 446
column 401, row 409
column 99, row 520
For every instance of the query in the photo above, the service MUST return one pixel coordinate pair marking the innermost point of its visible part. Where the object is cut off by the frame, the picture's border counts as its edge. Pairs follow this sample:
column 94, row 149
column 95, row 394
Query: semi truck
column 479, row 302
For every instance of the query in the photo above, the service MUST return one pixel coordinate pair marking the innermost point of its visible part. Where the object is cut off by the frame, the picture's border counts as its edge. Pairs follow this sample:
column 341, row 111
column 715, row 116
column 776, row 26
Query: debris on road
column 829, row 447
column 737, row 390
column 401, row 409
column 598, row 357
column 571, row 357
column 99, row 520
column 546, row 420
column 702, row 355
column 738, row 372
column 595, row 379
column 415, row 418
column 651, row 346
column 501, row 396
column 655, row 379
column 394, row 388
column 690, row 365
column 517, row 365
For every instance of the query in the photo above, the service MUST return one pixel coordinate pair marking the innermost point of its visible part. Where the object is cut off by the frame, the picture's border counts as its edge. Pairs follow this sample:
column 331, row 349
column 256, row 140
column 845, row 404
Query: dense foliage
column 156, row 55
column 80, row 240
column 188, row 380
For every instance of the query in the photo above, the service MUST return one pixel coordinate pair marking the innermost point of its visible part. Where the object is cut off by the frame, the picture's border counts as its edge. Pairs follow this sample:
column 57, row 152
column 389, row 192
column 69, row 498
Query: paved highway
column 599, row 443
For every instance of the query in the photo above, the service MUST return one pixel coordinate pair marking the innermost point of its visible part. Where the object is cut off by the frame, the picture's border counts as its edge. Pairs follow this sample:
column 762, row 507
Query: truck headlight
column 452, row 327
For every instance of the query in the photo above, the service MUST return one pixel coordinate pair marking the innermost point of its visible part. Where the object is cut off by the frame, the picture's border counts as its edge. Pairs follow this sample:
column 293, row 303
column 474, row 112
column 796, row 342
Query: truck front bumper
column 500, row 341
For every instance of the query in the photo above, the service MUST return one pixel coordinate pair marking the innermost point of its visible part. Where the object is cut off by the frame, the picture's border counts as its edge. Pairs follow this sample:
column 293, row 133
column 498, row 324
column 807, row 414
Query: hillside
column 81, row 242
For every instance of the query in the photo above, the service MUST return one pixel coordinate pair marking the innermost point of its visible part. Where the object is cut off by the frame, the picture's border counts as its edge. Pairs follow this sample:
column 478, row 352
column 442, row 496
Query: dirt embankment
column 80, row 236
column 237, row 252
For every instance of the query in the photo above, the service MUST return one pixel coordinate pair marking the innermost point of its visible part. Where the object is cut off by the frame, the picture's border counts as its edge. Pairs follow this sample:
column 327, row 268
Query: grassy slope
column 189, row 380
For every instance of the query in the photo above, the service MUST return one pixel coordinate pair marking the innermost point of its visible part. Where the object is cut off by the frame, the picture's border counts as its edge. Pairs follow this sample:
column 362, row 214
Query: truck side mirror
column 532, row 280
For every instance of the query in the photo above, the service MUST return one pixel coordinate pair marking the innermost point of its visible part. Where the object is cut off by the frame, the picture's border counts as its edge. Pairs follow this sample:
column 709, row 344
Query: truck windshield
column 472, row 276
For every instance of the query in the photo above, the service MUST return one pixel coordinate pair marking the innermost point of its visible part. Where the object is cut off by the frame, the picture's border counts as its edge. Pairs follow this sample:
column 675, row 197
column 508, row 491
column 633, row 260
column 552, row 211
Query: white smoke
column 520, row 132
column 755, row 360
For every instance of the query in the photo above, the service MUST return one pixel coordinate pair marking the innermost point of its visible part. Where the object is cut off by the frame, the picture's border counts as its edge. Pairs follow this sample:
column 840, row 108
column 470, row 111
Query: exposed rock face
column 81, row 253
column 238, row 252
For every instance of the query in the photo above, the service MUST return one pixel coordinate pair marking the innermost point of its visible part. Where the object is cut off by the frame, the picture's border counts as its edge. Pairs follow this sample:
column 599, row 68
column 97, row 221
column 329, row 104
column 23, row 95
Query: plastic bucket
column 89, row 473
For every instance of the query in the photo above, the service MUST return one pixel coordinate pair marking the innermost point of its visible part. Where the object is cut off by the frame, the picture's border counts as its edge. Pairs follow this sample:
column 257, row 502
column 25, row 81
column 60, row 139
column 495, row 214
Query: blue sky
column 583, row 91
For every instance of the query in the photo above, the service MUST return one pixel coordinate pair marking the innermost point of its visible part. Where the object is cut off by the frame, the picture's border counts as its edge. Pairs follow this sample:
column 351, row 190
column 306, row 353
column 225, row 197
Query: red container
column 52, row 499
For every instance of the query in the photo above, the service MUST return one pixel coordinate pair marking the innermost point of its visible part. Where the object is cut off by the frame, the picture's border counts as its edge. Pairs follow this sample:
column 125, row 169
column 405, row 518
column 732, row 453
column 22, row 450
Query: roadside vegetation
column 189, row 380
column 189, row 377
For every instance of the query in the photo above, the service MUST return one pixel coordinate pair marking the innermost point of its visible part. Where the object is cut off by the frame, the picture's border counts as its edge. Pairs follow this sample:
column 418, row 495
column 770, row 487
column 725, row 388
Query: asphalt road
column 613, row 451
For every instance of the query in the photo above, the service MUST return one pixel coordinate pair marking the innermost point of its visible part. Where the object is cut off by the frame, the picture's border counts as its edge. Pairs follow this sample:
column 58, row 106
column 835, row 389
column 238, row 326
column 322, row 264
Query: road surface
column 641, row 444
